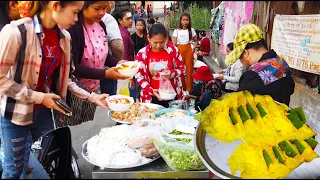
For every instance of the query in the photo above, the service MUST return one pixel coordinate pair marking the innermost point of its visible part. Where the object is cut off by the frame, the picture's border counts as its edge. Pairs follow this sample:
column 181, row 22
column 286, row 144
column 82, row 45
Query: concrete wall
column 215, row 48
column 309, row 100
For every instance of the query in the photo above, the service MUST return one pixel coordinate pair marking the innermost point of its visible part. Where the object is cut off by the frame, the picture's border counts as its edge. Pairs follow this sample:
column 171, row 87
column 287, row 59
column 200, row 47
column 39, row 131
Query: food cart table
column 154, row 170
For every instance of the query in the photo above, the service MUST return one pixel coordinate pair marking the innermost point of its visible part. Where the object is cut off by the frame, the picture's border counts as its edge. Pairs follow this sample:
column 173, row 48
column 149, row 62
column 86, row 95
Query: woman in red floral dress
column 158, row 57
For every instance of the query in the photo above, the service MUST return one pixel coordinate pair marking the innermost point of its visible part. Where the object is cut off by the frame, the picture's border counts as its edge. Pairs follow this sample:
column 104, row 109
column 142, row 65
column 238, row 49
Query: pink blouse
column 95, row 52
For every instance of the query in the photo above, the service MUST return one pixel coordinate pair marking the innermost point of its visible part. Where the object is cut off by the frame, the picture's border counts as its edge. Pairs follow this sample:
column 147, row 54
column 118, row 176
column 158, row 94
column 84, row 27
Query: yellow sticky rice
column 258, row 134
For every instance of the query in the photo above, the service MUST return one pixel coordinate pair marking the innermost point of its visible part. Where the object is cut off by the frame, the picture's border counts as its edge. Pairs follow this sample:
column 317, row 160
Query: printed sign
column 297, row 39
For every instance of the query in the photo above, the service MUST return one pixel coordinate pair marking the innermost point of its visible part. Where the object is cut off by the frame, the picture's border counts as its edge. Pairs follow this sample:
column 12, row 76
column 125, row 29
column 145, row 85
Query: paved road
column 157, row 12
column 85, row 131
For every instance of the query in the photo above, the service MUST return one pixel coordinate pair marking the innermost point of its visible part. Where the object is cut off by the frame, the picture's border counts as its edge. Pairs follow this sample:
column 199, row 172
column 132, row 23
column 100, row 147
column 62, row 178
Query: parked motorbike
column 56, row 154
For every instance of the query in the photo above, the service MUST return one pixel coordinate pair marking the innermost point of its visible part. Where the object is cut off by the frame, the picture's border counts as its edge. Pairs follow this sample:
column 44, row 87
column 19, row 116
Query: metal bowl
column 214, row 155
column 84, row 155
column 179, row 104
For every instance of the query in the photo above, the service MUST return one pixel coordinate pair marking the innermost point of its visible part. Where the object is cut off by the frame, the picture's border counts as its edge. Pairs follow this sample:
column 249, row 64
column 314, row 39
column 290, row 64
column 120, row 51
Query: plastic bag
column 179, row 155
column 141, row 135
column 165, row 86
column 122, row 87
column 170, row 124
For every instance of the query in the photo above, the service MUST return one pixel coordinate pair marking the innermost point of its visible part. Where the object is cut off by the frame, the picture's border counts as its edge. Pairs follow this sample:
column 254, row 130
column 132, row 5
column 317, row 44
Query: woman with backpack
column 9, row 11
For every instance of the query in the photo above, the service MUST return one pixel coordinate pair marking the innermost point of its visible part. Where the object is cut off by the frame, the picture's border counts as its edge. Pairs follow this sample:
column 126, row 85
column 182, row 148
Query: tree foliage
column 200, row 16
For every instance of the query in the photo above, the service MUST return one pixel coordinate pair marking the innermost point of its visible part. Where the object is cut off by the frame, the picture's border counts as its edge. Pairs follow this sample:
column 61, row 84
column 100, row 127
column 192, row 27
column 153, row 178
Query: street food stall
column 260, row 138
column 121, row 145
column 237, row 136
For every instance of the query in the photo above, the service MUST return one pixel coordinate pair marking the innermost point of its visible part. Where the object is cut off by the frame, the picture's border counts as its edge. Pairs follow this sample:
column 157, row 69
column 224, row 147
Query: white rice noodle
column 110, row 148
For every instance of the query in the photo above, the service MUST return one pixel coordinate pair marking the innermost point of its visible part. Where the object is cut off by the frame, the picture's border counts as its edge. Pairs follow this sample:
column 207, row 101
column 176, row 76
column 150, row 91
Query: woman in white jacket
column 231, row 75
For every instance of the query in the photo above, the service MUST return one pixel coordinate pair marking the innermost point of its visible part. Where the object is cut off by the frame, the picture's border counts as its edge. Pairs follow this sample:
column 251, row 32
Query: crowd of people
column 72, row 48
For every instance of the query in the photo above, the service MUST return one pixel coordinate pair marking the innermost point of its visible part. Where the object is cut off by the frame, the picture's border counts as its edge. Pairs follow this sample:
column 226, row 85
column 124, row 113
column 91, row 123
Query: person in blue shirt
column 135, row 17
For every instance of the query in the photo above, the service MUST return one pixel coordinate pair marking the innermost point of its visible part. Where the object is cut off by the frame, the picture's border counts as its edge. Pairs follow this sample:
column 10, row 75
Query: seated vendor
column 204, row 46
column 206, row 88
column 231, row 75
column 268, row 73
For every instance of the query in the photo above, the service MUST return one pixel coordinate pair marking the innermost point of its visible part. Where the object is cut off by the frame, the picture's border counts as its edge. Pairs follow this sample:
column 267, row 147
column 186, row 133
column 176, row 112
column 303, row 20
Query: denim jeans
column 16, row 143
column 38, row 172
column 206, row 96
column 135, row 93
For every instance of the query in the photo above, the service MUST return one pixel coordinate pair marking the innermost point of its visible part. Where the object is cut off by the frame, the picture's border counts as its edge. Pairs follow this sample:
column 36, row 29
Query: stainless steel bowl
column 214, row 155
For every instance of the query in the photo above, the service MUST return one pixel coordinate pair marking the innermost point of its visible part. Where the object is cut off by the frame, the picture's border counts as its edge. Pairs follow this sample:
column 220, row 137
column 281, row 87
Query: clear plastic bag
column 141, row 135
column 122, row 87
column 165, row 86
column 179, row 155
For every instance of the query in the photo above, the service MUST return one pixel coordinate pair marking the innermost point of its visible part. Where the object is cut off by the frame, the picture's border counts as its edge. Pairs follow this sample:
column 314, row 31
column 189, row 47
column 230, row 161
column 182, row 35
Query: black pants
column 223, row 86
column 162, row 103
column 206, row 97
column 108, row 86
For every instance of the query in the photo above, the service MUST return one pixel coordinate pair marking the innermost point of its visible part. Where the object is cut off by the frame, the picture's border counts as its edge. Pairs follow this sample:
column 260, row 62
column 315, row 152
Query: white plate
column 84, row 155
column 149, row 105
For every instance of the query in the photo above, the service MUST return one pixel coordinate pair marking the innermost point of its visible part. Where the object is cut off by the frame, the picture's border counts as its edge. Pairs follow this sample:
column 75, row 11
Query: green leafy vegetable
column 176, row 132
column 197, row 116
column 178, row 155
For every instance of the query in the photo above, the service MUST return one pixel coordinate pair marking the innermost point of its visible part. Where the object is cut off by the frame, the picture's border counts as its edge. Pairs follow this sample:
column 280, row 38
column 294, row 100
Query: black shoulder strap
column 23, row 32
column 17, row 77
column 103, row 26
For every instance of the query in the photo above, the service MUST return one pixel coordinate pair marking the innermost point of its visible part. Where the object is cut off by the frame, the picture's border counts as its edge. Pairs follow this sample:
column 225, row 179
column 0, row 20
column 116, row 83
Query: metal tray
column 214, row 155
column 84, row 155
column 150, row 105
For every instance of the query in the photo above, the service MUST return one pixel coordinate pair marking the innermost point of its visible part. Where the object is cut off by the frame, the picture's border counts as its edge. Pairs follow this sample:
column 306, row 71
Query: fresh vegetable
column 294, row 118
column 261, row 110
column 267, row 158
column 298, row 145
column 243, row 114
column 251, row 111
column 278, row 154
column 287, row 148
column 233, row 119
column 176, row 132
column 312, row 142
column 197, row 116
column 301, row 114
column 178, row 156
